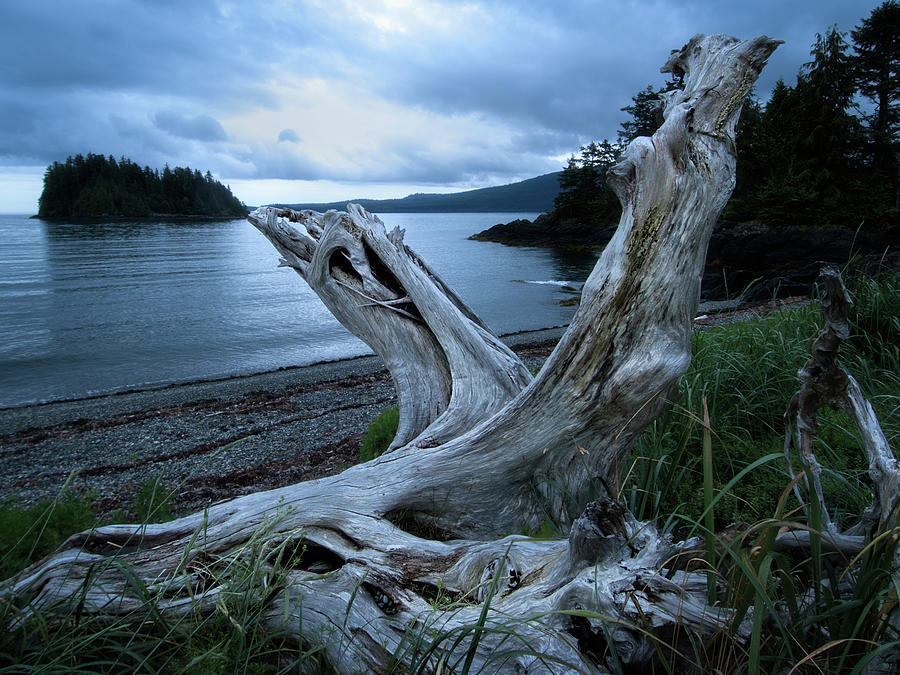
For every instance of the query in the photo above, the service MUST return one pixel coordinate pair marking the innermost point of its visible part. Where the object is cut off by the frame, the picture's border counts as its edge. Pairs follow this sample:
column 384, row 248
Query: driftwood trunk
column 484, row 454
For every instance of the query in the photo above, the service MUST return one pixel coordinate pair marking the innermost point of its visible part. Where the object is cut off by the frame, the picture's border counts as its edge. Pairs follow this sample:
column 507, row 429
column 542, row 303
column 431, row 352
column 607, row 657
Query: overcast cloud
column 320, row 100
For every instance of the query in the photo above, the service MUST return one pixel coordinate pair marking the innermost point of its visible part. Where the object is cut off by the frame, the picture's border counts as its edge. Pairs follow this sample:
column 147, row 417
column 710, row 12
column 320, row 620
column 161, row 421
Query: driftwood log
column 432, row 537
column 825, row 383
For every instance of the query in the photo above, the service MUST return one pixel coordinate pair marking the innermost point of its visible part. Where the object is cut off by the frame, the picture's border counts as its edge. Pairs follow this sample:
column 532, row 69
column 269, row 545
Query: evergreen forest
column 823, row 150
column 94, row 185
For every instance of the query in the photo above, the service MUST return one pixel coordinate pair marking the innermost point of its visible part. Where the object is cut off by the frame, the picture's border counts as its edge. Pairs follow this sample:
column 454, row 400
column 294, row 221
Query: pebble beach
column 205, row 441
column 210, row 441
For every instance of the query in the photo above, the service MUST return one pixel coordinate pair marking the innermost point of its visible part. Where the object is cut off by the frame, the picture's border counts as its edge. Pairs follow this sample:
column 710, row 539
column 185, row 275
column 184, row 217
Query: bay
column 87, row 309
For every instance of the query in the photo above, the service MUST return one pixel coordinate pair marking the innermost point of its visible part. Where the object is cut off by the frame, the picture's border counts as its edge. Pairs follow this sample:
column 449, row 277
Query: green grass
column 379, row 434
column 697, row 478
column 746, row 372
column 153, row 503
column 233, row 638
column 28, row 534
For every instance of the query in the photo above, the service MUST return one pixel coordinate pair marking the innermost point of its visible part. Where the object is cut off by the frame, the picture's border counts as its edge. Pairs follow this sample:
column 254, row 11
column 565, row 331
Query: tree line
column 95, row 185
column 822, row 151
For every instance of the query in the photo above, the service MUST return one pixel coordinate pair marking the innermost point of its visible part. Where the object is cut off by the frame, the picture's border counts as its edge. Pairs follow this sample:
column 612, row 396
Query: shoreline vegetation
column 148, row 218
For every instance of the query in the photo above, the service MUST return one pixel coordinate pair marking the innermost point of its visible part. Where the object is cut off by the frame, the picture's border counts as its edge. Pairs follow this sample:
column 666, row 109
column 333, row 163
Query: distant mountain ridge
column 534, row 194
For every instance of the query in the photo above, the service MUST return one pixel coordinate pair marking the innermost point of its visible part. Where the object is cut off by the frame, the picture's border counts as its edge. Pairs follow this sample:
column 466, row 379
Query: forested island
column 95, row 186
column 817, row 172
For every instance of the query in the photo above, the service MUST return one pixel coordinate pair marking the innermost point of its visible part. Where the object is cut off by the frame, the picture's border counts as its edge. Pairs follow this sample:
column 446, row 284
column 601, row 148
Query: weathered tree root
column 824, row 382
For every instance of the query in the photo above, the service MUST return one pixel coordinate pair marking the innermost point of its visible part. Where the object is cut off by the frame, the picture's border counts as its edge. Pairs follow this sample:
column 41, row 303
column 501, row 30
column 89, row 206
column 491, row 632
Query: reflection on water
column 25, row 303
column 572, row 264
column 89, row 308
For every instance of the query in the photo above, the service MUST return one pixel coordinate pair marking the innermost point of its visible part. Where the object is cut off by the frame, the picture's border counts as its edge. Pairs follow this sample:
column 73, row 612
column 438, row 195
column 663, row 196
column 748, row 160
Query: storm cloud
column 288, row 136
column 198, row 128
column 402, row 93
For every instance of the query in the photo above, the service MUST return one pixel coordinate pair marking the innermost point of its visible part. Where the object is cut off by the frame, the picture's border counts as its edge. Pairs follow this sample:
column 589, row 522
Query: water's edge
column 14, row 419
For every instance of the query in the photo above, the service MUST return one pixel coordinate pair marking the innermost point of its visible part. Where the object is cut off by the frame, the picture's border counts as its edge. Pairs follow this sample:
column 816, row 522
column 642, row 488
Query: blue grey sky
column 318, row 100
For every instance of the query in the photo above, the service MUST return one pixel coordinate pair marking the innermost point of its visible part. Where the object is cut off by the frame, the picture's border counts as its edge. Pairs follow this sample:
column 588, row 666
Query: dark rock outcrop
column 751, row 260
column 759, row 261
column 549, row 231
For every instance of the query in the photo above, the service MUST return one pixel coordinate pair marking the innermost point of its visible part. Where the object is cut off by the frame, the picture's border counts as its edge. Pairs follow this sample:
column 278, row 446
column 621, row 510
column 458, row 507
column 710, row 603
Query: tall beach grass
column 725, row 477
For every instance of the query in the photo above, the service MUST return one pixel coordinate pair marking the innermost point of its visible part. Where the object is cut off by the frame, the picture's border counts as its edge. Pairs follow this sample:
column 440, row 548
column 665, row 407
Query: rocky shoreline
column 211, row 441
column 754, row 260
column 205, row 441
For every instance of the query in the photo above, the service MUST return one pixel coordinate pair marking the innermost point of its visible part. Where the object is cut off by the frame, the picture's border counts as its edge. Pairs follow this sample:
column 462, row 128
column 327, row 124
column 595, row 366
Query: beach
column 214, row 440
column 205, row 441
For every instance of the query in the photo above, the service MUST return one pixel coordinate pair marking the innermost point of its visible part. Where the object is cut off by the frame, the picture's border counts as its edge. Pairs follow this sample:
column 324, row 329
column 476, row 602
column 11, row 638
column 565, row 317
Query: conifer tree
column 584, row 195
column 645, row 116
column 876, row 64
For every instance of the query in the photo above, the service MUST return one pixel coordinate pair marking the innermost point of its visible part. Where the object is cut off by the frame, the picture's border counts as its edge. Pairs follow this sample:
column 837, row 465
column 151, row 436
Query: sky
column 322, row 100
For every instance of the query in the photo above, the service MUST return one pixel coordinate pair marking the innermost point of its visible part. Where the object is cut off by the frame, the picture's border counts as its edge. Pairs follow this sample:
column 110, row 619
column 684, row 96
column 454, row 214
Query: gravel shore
column 206, row 441
column 209, row 441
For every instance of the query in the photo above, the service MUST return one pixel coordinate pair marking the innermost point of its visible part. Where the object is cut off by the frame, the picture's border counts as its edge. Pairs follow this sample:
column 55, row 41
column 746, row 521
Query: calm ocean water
column 89, row 309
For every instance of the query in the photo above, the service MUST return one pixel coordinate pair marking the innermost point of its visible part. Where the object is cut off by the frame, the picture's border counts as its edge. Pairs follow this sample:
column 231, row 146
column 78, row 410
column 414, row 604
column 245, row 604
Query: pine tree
column 807, row 146
column 876, row 65
column 752, row 147
column 584, row 195
column 645, row 115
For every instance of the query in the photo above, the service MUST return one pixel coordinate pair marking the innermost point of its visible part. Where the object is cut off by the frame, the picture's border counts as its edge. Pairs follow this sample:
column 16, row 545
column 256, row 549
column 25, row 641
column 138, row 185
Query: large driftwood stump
column 484, row 452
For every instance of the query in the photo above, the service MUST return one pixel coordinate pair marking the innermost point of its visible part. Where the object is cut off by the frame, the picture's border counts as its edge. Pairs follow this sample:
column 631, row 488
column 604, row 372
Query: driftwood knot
column 506, row 566
column 599, row 532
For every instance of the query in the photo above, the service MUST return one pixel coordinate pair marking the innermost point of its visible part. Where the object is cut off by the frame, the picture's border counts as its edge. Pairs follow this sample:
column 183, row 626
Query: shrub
column 379, row 434
column 153, row 502
column 29, row 533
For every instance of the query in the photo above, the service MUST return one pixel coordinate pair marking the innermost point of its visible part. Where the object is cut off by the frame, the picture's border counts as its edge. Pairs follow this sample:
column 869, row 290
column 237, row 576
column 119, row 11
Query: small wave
column 551, row 282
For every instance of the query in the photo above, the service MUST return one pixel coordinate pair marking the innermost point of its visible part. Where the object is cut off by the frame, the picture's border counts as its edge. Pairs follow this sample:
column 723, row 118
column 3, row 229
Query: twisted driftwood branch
column 824, row 382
